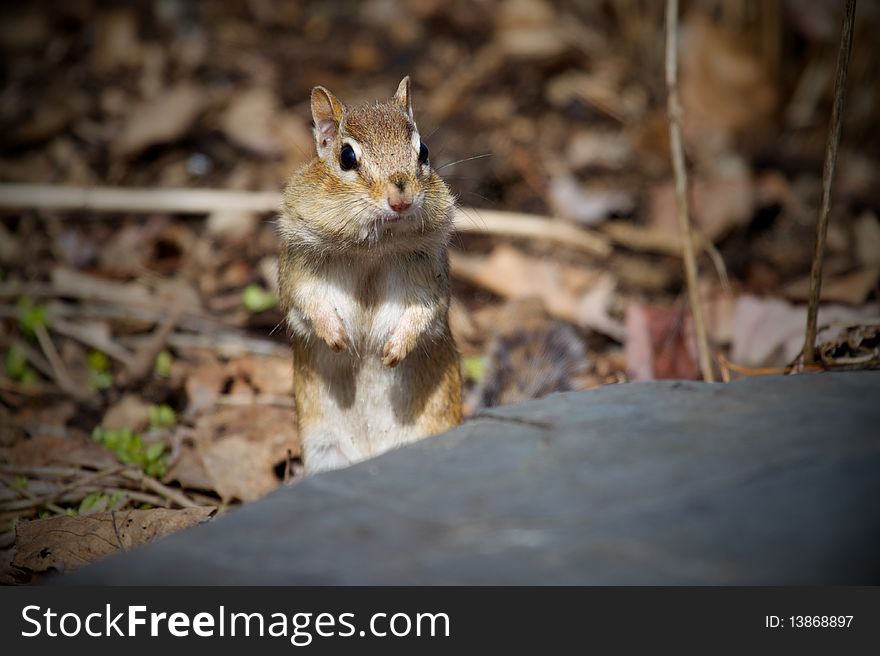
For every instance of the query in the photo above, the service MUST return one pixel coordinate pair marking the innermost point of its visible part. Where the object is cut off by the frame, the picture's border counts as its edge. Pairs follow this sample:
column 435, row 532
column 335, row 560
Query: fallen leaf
column 725, row 88
column 64, row 543
column 250, row 121
column 867, row 239
column 598, row 148
column 770, row 332
column 571, row 293
column 117, row 43
column 660, row 344
column 160, row 120
column 851, row 289
column 203, row 385
column 574, row 202
column 232, row 226
column 130, row 412
column 241, row 446
column 266, row 374
column 720, row 203
column 73, row 450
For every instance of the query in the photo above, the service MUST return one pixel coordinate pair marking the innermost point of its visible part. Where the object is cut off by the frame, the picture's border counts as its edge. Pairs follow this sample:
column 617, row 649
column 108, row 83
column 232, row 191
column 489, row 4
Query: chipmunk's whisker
column 466, row 159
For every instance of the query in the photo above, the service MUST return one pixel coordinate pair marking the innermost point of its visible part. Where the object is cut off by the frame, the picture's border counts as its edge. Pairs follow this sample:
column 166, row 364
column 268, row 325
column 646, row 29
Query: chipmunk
column 364, row 285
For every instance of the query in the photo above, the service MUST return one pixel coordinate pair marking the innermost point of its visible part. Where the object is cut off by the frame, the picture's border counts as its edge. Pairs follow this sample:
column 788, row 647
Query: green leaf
column 31, row 316
column 91, row 501
column 154, row 452
column 163, row 364
column 20, row 483
column 16, row 364
column 129, row 448
column 162, row 416
column 100, row 380
column 98, row 362
column 257, row 299
column 474, row 367
column 115, row 498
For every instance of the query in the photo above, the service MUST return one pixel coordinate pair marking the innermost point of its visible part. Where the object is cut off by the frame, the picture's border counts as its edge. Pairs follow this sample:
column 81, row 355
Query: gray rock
column 770, row 480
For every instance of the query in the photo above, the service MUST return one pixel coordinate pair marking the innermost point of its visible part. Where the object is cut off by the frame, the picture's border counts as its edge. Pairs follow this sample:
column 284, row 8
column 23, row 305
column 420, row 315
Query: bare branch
column 678, row 165
column 846, row 33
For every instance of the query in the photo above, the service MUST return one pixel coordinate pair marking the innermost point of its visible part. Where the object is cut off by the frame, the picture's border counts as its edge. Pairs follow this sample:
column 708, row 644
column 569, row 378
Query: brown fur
column 366, row 290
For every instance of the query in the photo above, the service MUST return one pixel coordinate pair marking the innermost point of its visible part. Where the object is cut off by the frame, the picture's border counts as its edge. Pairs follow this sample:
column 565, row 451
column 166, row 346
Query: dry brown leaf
column 74, row 450
column 851, row 289
column 232, row 226
column 527, row 29
column 570, row 293
column 240, row 447
column 160, row 120
column 725, row 88
column 130, row 412
column 770, row 332
column 250, row 121
column 203, row 385
column 188, row 470
column 51, row 417
column 65, row 543
column 867, row 239
column 641, row 273
column 659, row 344
column 265, row 374
column 117, row 43
column 598, row 148
column 46, row 122
column 572, row 201
column 720, row 203
column 600, row 88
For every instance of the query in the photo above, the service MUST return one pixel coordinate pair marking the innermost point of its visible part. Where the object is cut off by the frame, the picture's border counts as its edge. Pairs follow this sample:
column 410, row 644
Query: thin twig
column 59, row 369
column 690, row 261
column 29, row 389
column 846, row 33
column 159, row 488
column 206, row 201
column 32, row 498
column 143, row 362
column 110, row 199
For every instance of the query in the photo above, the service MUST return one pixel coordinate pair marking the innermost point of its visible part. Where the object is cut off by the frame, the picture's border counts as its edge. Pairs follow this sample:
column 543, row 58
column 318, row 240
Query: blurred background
column 152, row 339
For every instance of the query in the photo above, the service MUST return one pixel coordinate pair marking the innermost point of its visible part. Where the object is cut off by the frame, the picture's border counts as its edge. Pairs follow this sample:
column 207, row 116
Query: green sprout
column 129, row 449
column 17, row 366
column 474, row 367
column 100, row 377
column 32, row 316
column 162, row 367
column 162, row 416
column 256, row 299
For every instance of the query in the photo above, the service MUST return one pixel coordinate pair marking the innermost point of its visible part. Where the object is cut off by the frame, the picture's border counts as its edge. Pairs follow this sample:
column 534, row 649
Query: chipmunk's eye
column 423, row 154
column 347, row 158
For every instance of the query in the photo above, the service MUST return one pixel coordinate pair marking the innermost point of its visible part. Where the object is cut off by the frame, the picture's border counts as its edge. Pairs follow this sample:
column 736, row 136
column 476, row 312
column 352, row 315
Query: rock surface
column 770, row 480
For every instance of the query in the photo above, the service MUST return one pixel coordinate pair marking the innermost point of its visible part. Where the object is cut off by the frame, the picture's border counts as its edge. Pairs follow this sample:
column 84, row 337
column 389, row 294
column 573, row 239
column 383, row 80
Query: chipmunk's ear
column 327, row 113
column 402, row 97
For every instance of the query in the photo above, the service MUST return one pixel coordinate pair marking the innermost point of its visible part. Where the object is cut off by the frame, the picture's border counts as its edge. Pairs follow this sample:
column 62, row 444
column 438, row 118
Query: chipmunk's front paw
column 330, row 329
column 395, row 350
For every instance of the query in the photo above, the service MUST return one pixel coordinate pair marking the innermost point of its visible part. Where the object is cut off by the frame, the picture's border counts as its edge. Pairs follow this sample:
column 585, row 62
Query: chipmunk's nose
column 400, row 195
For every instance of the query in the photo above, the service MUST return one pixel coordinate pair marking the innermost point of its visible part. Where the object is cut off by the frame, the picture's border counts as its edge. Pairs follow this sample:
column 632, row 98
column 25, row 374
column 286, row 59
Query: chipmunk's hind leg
column 325, row 448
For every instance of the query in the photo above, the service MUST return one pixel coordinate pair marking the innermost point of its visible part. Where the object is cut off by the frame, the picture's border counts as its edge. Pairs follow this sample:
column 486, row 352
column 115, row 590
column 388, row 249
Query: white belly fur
column 353, row 427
